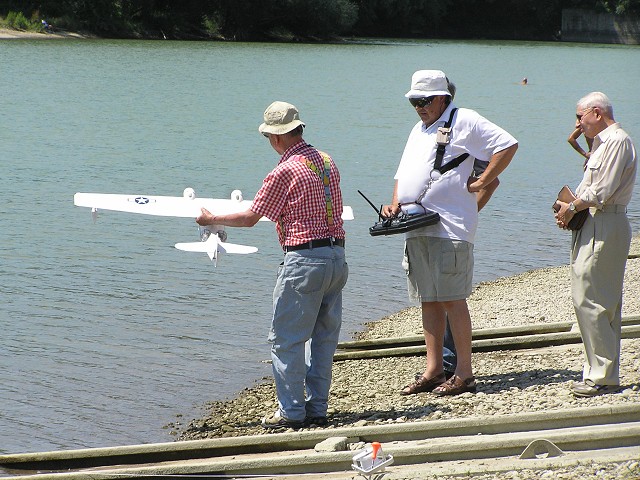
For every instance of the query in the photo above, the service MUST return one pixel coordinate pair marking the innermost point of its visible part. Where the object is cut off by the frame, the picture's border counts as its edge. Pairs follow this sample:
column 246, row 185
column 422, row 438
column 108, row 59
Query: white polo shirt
column 448, row 194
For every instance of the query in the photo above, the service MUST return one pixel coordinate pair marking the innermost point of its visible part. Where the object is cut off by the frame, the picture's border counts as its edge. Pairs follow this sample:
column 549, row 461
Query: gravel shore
column 366, row 392
column 8, row 34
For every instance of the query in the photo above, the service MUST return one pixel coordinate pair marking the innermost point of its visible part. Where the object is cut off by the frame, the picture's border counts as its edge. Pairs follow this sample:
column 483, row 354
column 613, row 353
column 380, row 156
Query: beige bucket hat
column 280, row 118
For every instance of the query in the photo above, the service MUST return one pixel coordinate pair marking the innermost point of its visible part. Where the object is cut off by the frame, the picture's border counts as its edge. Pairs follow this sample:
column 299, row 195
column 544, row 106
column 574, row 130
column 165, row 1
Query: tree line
column 304, row 20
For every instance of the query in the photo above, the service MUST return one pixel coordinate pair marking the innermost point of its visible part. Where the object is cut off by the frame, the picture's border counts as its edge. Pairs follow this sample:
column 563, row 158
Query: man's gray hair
column 452, row 90
column 296, row 131
column 596, row 99
column 451, row 87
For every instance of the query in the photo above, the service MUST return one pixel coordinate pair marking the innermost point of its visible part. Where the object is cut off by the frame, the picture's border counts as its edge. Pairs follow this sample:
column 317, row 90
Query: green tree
column 260, row 19
column 620, row 7
column 505, row 19
column 401, row 18
column 330, row 17
column 303, row 19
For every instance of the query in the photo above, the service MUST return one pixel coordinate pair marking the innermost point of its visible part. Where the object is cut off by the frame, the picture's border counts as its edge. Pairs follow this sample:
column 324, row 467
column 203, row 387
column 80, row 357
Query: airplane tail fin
column 347, row 212
column 213, row 245
column 210, row 246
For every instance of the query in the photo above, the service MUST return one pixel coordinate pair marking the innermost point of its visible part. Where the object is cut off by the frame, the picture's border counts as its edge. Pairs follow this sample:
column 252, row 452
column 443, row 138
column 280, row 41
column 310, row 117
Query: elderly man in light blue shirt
column 600, row 248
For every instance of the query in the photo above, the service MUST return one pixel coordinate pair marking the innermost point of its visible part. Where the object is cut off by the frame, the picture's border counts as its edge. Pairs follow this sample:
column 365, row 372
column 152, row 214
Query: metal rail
column 286, row 453
column 485, row 340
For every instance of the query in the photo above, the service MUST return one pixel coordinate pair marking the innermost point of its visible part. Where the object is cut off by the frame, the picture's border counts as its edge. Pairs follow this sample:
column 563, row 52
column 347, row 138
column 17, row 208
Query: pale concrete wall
column 586, row 26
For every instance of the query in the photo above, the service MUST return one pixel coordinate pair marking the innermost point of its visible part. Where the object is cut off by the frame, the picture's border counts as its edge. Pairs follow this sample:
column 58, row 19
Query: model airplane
column 212, row 238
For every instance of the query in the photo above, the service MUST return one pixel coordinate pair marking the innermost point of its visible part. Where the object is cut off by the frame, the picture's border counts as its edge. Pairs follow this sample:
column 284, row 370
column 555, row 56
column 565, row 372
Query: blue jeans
column 307, row 306
column 449, row 358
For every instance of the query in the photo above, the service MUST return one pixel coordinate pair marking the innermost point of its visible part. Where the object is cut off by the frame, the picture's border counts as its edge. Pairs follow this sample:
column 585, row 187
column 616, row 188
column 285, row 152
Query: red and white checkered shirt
column 293, row 196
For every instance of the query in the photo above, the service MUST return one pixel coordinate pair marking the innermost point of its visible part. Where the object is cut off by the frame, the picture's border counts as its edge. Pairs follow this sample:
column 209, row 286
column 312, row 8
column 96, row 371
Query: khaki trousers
column 598, row 259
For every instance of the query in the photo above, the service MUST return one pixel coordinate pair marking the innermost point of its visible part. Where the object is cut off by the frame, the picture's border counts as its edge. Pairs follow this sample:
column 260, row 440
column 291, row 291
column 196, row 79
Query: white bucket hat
column 426, row 83
column 280, row 118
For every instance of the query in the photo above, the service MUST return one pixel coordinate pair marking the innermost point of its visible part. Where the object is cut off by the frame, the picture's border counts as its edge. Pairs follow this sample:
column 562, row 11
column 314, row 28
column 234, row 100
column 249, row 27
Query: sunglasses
column 584, row 114
column 421, row 102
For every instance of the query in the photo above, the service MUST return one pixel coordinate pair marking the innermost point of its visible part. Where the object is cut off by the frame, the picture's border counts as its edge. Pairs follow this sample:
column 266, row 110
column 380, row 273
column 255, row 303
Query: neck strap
column 446, row 132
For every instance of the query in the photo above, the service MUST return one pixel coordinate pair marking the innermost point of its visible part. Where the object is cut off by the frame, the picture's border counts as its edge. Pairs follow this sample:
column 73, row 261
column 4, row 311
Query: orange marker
column 376, row 447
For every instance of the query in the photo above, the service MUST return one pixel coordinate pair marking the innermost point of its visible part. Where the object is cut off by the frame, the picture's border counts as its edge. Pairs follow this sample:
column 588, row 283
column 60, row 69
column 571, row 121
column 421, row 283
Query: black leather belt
column 323, row 242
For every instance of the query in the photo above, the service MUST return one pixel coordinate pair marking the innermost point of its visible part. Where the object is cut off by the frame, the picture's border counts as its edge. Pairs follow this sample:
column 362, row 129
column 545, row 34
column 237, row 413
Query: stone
column 332, row 444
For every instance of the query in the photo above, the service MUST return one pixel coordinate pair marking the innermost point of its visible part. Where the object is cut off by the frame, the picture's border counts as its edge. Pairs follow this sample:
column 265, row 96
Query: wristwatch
column 572, row 207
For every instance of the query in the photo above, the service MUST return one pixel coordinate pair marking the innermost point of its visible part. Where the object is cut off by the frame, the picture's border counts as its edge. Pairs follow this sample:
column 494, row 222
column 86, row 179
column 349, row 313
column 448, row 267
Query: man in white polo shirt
column 439, row 258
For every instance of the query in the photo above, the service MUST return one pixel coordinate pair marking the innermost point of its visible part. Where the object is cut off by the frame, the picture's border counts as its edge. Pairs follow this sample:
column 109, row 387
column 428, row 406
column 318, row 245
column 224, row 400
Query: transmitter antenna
column 378, row 211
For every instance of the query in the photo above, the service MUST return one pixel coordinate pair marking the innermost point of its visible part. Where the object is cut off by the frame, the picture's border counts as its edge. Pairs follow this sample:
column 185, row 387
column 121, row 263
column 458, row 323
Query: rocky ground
column 366, row 392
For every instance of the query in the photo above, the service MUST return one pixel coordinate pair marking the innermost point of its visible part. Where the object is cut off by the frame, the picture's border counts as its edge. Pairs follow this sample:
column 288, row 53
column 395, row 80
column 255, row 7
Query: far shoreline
column 9, row 34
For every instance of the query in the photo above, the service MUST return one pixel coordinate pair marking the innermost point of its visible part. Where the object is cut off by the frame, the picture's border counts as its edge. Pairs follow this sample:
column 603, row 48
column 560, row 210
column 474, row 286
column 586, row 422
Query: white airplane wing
column 188, row 205
column 159, row 205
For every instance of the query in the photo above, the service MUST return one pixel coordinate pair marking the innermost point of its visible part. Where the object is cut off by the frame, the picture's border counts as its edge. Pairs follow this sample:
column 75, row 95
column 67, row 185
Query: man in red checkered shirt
column 302, row 196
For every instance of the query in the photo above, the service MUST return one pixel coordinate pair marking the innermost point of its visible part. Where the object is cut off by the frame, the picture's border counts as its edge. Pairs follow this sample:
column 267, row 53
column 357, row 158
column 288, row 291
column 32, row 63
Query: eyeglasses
column 421, row 102
column 266, row 135
column 589, row 110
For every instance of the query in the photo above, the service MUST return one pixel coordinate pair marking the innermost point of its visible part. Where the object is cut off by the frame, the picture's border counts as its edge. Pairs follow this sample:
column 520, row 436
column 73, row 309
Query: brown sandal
column 456, row 386
column 423, row 385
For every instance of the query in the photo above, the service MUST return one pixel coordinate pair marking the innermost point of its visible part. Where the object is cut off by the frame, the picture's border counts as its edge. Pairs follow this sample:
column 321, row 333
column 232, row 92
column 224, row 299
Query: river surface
column 108, row 333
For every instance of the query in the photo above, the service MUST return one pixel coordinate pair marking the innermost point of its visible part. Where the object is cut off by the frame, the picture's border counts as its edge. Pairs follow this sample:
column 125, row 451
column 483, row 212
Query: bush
column 211, row 25
column 18, row 21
